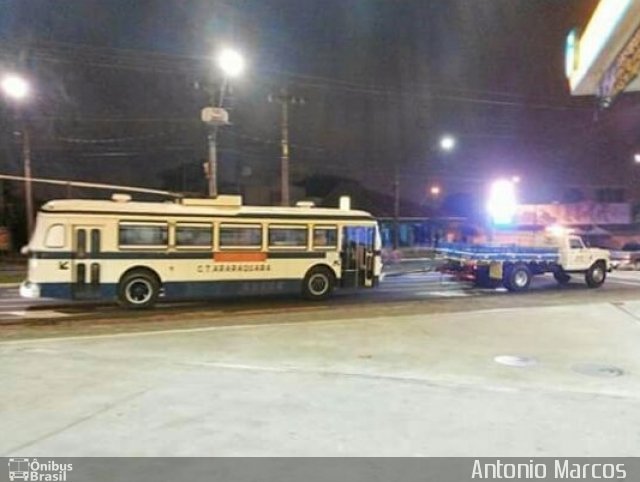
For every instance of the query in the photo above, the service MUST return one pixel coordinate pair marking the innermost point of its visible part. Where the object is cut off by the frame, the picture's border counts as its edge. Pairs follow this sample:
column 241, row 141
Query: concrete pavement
column 397, row 385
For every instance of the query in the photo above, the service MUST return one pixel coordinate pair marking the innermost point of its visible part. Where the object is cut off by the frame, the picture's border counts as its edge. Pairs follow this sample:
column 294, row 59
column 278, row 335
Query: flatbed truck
column 514, row 265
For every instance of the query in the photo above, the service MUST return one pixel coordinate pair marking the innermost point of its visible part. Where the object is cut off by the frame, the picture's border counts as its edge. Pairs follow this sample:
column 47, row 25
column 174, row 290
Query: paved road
column 409, row 369
column 434, row 292
column 350, row 380
column 419, row 293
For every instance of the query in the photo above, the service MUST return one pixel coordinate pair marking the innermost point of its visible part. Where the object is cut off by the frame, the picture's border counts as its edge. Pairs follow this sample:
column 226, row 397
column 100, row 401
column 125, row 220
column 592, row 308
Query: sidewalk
column 385, row 386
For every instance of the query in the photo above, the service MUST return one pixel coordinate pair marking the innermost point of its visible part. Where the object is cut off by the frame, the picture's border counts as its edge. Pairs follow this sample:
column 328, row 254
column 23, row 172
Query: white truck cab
column 577, row 258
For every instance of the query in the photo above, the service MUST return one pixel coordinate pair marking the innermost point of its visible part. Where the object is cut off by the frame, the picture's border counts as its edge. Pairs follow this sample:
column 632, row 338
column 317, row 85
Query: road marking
column 180, row 330
column 15, row 305
column 36, row 313
column 446, row 294
column 628, row 283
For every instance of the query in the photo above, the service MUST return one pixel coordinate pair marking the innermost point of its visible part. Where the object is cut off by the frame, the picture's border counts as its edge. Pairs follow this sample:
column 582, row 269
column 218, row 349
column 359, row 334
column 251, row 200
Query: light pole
column 17, row 89
column 232, row 64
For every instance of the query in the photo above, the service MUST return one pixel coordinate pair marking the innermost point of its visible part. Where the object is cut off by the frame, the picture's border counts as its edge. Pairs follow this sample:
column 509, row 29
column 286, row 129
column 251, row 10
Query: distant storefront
column 574, row 214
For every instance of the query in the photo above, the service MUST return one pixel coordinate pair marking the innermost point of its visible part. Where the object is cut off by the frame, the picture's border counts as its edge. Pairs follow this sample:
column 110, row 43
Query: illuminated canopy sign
column 593, row 55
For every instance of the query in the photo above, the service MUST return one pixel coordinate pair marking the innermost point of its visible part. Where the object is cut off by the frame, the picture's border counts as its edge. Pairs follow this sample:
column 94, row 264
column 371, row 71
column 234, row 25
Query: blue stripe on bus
column 176, row 290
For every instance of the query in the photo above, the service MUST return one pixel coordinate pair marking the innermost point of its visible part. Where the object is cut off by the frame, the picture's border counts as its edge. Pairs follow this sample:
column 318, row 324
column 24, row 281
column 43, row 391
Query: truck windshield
column 575, row 243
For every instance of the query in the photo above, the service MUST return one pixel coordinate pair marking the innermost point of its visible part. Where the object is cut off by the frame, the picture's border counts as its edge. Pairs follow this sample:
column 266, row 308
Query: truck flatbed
column 503, row 252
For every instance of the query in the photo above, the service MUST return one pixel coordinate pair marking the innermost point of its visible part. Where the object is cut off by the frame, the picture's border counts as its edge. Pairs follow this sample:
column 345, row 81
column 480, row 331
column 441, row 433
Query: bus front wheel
column 138, row 289
column 318, row 284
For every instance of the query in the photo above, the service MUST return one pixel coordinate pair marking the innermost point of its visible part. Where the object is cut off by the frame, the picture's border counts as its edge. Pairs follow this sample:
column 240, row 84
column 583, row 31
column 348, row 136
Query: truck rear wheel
column 595, row 275
column 518, row 278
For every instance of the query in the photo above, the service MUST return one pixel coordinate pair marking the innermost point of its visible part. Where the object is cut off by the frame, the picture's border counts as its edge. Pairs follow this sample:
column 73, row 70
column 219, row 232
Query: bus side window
column 240, row 236
column 192, row 235
column 294, row 236
column 81, row 243
column 146, row 235
column 95, row 241
column 325, row 237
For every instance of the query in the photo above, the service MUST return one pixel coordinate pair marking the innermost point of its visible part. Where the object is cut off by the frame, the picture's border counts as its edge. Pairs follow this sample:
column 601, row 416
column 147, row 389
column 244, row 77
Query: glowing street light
column 447, row 143
column 15, row 87
column 231, row 62
column 636, row 157
column 503, row 203
column 435, row 191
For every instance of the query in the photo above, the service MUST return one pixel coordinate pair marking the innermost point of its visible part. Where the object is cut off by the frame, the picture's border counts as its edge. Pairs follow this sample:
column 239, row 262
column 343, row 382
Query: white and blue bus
column 140, row 252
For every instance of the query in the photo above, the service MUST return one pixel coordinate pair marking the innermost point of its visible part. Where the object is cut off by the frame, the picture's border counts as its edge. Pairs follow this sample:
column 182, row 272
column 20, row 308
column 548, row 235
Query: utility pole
column 28, row 191
column 396, row 208
column 214, row 117
column 285, row 100
column 212, row 166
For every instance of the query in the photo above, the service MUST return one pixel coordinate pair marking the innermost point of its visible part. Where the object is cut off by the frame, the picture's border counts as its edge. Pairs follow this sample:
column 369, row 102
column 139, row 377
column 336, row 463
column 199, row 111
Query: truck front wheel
column 518, row 278
column 595, row 276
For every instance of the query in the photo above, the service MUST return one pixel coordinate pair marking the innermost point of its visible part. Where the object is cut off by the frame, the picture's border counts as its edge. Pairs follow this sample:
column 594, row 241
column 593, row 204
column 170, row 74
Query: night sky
column 120, row 84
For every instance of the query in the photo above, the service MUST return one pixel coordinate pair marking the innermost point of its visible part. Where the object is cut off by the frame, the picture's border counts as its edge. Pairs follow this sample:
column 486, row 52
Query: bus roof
column 196, row 208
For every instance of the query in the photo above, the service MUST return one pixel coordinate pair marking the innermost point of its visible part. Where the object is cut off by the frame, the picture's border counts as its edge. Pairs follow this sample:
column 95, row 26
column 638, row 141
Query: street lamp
column 636, row 157
column 447, row 143
column 435, row 191
column 17, row 89
column 232, row 64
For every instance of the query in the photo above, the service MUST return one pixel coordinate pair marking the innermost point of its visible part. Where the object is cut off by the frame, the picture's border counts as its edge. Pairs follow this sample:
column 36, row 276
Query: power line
column 171, row 63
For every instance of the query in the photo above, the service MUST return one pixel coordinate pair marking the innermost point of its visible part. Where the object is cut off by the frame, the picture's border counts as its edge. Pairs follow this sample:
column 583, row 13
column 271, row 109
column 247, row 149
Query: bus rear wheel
column 138, row 289
column 318, row 284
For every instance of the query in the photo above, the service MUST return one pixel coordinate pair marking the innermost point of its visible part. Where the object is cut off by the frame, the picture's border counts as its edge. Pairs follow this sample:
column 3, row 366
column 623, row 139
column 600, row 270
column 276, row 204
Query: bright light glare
column 435, row 190
column 558, row 230
column 636, row 158
column 447, row 143
column 231, row 62
column 516, row 179
column 502, row 204
column 15, row 86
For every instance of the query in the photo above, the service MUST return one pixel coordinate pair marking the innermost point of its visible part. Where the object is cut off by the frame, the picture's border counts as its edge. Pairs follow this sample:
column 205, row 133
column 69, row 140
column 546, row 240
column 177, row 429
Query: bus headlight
column 29, row 290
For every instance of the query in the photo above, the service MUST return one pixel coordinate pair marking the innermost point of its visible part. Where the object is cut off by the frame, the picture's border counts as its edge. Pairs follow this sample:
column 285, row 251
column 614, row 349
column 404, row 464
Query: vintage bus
column 140, row 252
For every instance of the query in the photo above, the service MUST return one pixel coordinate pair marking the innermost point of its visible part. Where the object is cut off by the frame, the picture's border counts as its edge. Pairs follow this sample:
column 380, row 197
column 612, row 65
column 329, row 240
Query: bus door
column 85, row 265
column 358, row 255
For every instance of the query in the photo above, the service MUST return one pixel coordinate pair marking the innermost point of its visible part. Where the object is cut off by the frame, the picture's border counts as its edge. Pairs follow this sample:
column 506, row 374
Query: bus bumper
column 29, row 290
